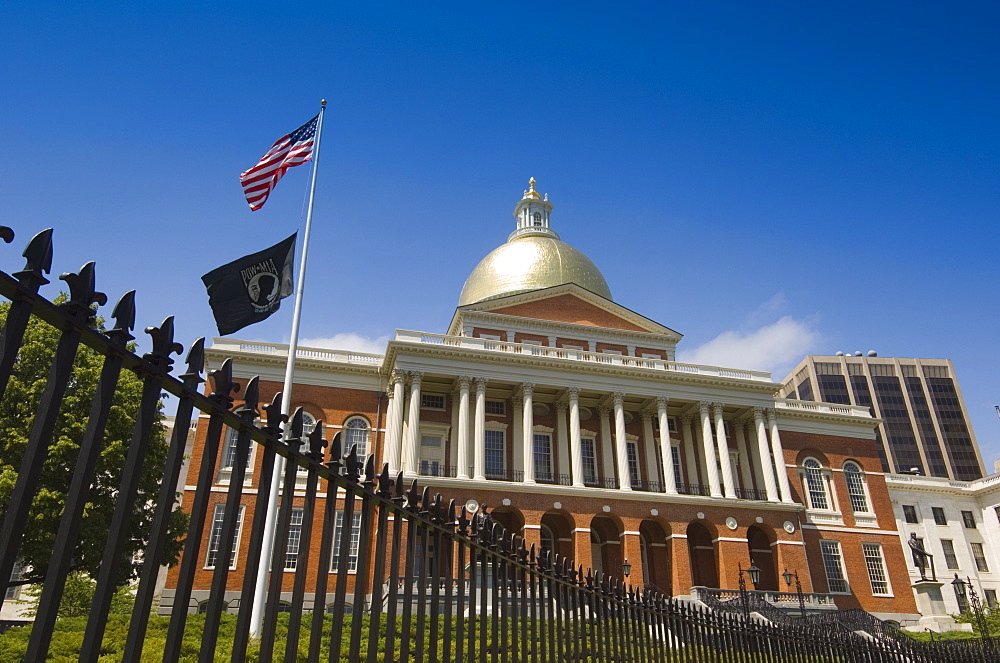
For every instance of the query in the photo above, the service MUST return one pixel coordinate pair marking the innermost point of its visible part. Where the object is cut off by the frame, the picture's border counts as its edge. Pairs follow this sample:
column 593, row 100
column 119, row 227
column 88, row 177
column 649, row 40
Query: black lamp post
column 626, row 568
column 976, row 605
column 754, row 574
column 788, row 575
column 743, row 592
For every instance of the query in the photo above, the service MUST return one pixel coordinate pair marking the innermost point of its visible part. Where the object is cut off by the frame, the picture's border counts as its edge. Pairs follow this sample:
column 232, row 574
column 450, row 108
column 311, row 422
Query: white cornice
column 588, row 333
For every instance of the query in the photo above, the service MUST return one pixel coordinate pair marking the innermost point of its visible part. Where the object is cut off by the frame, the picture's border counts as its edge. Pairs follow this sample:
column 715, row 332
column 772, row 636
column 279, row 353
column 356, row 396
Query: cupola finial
column 531, row 193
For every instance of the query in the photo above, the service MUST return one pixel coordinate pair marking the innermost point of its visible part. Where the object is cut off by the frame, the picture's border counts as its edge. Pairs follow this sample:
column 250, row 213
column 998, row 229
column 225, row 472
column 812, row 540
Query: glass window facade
column 896, row 421
column 951, row 419
column 833, row 389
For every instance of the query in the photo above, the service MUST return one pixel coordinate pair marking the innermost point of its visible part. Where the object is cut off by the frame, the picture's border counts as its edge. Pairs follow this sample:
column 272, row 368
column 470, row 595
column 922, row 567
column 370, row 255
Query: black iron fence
column 422, row 580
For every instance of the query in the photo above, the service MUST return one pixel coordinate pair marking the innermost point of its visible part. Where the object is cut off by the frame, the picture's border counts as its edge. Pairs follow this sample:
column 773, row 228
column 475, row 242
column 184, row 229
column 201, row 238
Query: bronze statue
column 921, row 557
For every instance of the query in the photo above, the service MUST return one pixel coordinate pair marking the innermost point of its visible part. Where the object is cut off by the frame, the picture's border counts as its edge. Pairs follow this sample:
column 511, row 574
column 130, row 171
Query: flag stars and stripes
column 290, row 150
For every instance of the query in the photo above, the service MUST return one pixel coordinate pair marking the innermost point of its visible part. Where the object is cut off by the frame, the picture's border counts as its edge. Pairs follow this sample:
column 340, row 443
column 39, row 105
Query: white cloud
column 347, row 341
column 774, row 347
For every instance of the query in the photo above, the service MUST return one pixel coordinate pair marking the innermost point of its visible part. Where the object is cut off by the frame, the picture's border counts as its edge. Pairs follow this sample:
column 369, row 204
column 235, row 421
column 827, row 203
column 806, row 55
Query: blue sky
column 767, row 178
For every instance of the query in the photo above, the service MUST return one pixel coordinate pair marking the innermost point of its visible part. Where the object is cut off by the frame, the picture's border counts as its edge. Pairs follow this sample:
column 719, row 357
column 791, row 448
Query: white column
column 516, row 438
column 666, row 449
column 765, row 455
column 745, row 458
column 621, row 443
column 649, row 447
column 779, row 457
column 711, row 467
column 561, row 443
column 575, row 448
column 479, row 462
column 724, row 458
column 607, row 442
column 463, row 428
column 690, row 460
column 528, row 431
column 394, row 439
column 411, row 445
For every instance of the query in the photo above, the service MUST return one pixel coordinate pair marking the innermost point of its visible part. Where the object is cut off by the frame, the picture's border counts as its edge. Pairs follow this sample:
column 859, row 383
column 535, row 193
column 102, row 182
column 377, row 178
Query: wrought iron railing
column 431, row 580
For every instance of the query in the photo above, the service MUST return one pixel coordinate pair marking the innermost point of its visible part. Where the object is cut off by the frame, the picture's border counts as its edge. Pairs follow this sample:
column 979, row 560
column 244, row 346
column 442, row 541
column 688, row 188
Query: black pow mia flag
column 250, row 289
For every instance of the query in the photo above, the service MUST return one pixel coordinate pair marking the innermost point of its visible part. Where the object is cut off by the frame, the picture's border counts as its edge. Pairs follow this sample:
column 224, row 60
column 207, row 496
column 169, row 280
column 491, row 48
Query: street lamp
column 976, row 605
column 788, row 575
column 627, row 568
column 754, row 574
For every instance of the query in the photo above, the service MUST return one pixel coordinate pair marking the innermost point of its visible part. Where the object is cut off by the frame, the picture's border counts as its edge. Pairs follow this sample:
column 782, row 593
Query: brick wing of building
column 567, row 415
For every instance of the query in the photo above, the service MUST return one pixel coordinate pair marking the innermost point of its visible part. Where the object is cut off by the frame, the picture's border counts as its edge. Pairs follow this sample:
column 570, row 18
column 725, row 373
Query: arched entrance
column 656, row 570
column 701, row 551
column 605, row 546
column 557, row 534
column 762, row 556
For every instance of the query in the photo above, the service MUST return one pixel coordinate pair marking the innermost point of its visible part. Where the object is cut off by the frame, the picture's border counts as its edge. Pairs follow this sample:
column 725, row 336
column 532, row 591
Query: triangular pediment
column 566, row 304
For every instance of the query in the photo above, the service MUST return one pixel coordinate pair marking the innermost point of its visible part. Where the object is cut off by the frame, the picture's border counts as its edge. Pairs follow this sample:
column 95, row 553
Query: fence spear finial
column 38, row 260
column 124, row 315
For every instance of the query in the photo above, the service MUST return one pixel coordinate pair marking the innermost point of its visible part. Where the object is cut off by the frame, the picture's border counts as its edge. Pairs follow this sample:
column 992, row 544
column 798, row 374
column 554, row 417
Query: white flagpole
column 260, row 593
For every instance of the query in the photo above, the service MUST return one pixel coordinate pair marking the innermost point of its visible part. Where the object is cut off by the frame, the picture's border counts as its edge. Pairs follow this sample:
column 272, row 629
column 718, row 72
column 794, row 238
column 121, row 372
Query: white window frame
column 875, row 563
column 839, row 561
column 862, row 485
column 294, row 544
column 423, row 406
column 228, row 455
column 214, row 540
column 355, row 546
column 593, row 457
column 807, row 472
column 346, row 429
column 493, row 432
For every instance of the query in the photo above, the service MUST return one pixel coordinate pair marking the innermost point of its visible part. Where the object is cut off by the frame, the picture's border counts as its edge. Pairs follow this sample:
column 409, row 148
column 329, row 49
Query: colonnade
column 705, row 450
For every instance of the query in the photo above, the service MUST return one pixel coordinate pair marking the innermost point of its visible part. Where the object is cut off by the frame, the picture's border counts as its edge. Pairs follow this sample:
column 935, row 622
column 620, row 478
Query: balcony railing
column 751, row 494
column 468, row 342
column 787, row 600
column 694, row 489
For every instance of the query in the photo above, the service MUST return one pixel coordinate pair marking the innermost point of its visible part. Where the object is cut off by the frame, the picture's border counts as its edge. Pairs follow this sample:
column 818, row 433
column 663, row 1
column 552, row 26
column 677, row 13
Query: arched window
column 815, row 484
column 856, row 487
column 356, row 433
column 548, row 540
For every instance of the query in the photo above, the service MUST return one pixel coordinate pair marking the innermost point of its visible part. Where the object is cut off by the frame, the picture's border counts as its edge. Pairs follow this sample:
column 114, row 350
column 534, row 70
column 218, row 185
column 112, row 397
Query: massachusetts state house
column 569, row 418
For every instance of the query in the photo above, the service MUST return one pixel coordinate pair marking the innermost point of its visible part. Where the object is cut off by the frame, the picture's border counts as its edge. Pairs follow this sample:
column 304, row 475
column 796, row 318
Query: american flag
column 290, row 150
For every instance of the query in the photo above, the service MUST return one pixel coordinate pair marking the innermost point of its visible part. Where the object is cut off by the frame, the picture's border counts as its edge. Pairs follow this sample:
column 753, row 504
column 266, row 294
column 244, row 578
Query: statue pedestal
column 930, row 604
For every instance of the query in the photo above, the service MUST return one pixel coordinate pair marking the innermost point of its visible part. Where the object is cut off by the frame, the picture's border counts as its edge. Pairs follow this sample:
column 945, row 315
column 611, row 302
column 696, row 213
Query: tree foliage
column 17, row 411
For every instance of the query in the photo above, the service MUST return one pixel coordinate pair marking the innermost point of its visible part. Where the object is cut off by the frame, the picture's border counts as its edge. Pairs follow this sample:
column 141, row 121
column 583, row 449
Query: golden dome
column 531, row 262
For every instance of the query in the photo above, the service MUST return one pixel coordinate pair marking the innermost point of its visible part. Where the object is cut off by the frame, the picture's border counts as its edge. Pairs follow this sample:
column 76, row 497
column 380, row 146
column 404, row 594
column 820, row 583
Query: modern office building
column 924, row 427
column 568, row 415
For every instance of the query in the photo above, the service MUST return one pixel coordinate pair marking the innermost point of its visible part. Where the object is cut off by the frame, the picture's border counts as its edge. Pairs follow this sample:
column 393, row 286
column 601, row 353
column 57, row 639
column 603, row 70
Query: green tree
column 16, row 414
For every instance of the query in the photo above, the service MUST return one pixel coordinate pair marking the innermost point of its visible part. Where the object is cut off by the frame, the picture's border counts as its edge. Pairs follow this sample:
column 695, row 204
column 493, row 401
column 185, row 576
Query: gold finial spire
column 531, row 193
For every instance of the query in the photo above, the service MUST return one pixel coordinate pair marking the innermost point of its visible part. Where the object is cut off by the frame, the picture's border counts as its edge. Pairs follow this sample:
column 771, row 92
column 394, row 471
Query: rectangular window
column 543, row 457
column 980, row 556
column 229, row 455
column 675, row 452
column 876, row 568
column 294, row 540
column 432, row 401
column 950, row 559
column 834, row 566
column 495, row 454
column 939, row 517
column 215, row 539
column 633, row 463
column 589, row 460
column 498, row 408
column 991, row 597
column 996, row 510
column 910, row 513
column 352, row 553
column 969, row 520
column 16, row 574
